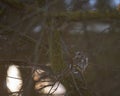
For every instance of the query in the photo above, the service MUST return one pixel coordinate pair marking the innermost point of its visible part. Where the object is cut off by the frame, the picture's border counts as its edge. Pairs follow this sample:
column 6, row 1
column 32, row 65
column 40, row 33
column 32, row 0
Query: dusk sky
column 92, row 2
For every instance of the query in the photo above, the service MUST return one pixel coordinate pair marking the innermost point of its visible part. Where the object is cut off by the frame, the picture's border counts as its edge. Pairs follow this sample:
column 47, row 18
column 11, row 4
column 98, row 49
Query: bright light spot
column 57, row 89
column 13, row 80
column 37, row 29
column 117, row 2
column 92, row 2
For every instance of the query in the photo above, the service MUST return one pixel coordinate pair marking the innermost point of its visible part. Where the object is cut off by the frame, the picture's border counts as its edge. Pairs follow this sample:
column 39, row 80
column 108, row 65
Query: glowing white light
column 13, row 83
column 57, row 89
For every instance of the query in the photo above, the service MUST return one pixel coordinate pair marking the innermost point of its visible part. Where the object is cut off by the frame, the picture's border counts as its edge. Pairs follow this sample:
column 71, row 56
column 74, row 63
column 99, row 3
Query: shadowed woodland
column 75, row 43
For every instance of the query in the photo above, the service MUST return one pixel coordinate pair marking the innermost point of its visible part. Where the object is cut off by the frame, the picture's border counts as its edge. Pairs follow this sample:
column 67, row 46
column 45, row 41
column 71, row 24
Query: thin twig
column 77, row 88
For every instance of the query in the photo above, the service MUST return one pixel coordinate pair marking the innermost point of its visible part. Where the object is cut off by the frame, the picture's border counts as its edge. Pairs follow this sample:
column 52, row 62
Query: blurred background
column 90, row 26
